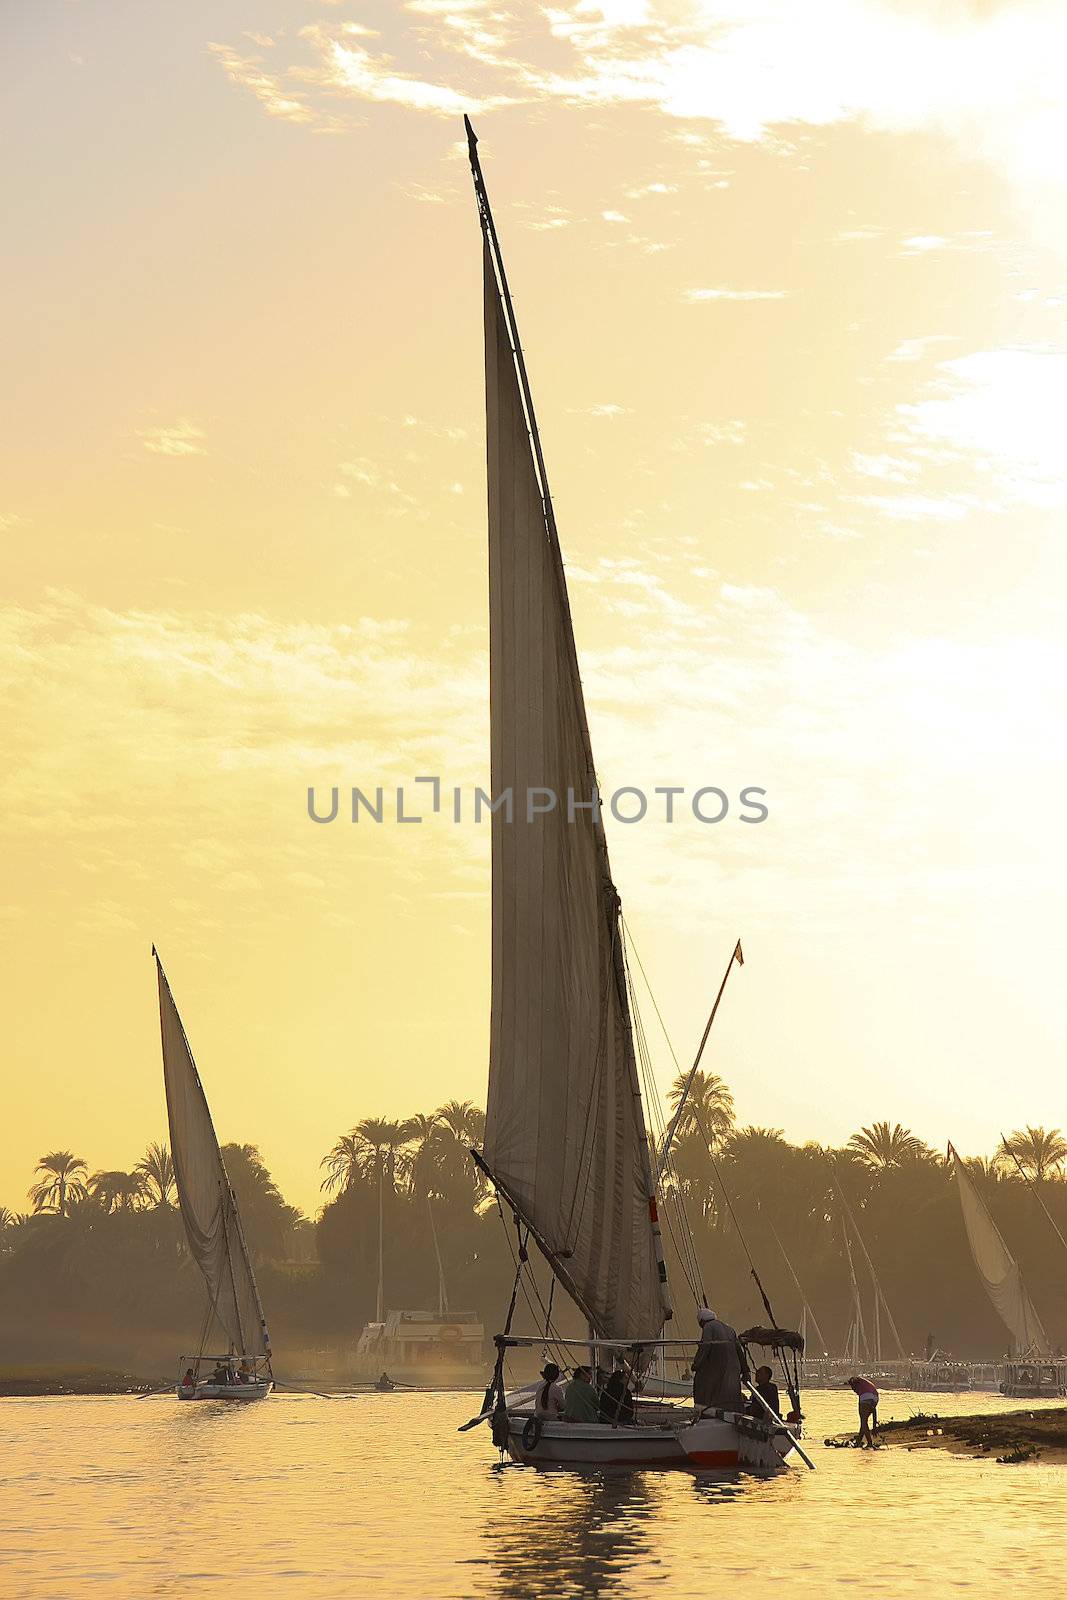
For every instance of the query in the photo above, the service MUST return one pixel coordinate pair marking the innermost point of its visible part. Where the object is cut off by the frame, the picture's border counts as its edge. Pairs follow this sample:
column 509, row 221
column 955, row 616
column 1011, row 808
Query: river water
column 378, row 1495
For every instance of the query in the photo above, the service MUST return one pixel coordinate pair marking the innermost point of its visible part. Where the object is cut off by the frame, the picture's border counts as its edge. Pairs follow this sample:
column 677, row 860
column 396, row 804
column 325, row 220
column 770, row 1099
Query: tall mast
column 379, row 1313
column 1034, row 1190
column 879, row 1295
column 668, row 1137
column 442, row 1292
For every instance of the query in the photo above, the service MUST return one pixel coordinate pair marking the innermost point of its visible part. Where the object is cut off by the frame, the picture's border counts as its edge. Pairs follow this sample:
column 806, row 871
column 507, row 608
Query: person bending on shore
column 717, row 1365
column 867, row 1396
column 550, row 1402
column 581, row 1404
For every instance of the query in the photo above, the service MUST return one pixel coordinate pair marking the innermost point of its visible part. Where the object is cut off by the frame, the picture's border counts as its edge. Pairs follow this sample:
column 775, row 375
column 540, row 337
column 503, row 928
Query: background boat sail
column 1031, row 1372
column 998, row 1268
column 212, row 1225
column 565, row 1144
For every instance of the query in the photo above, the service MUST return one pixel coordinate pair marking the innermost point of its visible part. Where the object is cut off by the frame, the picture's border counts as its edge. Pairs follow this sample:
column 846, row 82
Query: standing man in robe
column 718, row 1365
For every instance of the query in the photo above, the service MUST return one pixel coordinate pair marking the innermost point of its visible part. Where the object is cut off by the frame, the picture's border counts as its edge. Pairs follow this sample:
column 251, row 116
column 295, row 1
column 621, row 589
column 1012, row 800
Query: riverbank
column 1009, row 1436
column 60, row 1378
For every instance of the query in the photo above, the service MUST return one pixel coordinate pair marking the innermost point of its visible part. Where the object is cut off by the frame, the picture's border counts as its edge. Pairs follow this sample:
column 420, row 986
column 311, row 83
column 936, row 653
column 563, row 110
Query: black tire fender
column 531, row 1434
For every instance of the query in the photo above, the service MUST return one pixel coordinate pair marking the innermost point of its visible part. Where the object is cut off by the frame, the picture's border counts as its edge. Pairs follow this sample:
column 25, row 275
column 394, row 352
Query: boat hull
column 225, row 1391
column 726, row 1443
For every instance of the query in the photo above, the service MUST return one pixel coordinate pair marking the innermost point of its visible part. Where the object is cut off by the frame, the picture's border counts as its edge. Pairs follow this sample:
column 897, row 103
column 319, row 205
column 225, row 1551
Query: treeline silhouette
column 97, row 1267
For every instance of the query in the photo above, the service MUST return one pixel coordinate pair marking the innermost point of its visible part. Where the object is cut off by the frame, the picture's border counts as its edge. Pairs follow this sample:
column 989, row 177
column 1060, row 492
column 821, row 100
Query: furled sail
column 565, row 1136
column 208, row 1207
column 998, row 1269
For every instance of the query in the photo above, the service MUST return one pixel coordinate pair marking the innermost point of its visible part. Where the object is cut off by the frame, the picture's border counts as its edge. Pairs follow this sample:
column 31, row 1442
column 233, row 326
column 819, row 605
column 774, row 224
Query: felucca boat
column 213, row 1231
column 566, row 1147
column 1033, row 1372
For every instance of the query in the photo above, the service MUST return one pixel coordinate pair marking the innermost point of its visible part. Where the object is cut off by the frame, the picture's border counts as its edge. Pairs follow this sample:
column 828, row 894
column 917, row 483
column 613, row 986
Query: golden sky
column 792, row 283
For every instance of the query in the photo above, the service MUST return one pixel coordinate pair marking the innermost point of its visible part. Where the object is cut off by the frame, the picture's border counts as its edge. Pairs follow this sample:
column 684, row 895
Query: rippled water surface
column 298, row 1496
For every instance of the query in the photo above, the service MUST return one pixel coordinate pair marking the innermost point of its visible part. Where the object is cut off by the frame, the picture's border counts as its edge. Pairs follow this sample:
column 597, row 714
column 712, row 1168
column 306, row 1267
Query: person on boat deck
column 616, row 1398
column 718, row 1364
column 221, row 1373
column 244, row 1371
column 189, row 1382
column 767, row 1390
column 550, row 1401
column 867, row 1396
column 581, row 1402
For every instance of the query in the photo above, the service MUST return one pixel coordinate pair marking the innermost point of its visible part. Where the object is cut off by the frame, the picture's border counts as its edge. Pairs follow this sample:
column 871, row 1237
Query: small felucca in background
column 212, row 1229
column 1032, row 1371
column 566, row 1147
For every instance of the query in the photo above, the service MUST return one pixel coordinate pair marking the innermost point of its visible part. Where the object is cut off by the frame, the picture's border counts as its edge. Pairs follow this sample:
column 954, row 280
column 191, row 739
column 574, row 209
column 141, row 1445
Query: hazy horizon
column 797, row 342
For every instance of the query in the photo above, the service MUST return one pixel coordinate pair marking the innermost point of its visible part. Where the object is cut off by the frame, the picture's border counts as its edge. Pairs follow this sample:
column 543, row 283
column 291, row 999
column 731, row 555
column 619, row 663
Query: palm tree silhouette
column 709, row 1106
column 116, row 1191
column 881, row 1146
column 464, row 1121
column 344, row 1163
column 425, row 1134
column 63, row 1182
column 1040, row 1150
column 156, row 1168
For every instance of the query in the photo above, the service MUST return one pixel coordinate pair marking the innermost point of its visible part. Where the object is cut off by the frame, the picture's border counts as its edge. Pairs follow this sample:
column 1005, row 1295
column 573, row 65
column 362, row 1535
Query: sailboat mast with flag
column 566, row 1147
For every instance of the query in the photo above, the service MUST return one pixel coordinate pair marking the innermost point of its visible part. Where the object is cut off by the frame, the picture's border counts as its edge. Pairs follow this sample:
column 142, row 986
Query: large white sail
column 208, row 1207
column 565, row 1136
column 998, row 1269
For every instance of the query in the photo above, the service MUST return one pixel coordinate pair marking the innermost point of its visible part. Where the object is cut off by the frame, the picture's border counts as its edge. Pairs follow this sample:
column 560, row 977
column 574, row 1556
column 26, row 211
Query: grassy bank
column 66, row 1378
column 1009, row 1436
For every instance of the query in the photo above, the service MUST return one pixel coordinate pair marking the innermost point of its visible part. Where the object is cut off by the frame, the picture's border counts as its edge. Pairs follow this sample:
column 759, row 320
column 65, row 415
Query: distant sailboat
column 212, row 1229
column 565, row 1145
column 998, row 1269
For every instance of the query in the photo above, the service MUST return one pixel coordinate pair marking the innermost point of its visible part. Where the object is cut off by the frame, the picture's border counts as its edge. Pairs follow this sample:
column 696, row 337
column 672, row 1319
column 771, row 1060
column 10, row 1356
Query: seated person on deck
column 581, row 1403
column 549, row 1401
column 767, row 1389
column 616, row 1399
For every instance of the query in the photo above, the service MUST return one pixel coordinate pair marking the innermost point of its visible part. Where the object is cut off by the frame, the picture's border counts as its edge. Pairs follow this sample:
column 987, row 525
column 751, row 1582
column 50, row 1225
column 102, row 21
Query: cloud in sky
column 247, row 72
column 181, row 438
column 698, row 295
column 1004, row 409
column 990, row 80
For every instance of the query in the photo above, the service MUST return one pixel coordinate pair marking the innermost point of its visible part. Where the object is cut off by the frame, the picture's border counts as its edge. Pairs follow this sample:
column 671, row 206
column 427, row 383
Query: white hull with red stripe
column 714, row 1442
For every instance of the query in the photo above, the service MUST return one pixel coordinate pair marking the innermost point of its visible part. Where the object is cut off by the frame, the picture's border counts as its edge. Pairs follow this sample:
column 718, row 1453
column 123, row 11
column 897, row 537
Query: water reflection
column 567, row 1533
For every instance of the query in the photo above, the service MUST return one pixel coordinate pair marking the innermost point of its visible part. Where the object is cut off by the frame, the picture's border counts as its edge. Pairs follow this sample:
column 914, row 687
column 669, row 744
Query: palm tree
column 116, row 1191
column 1041, row 1150
column 463, row 1119
column 881, row 1146
column 425, row 1134
column 266, row 1221
column 382, row 1141
column 63, row 1181
column 156, row 1168
column 692, row 1169
column 709, row 1106
column 345, row 1163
